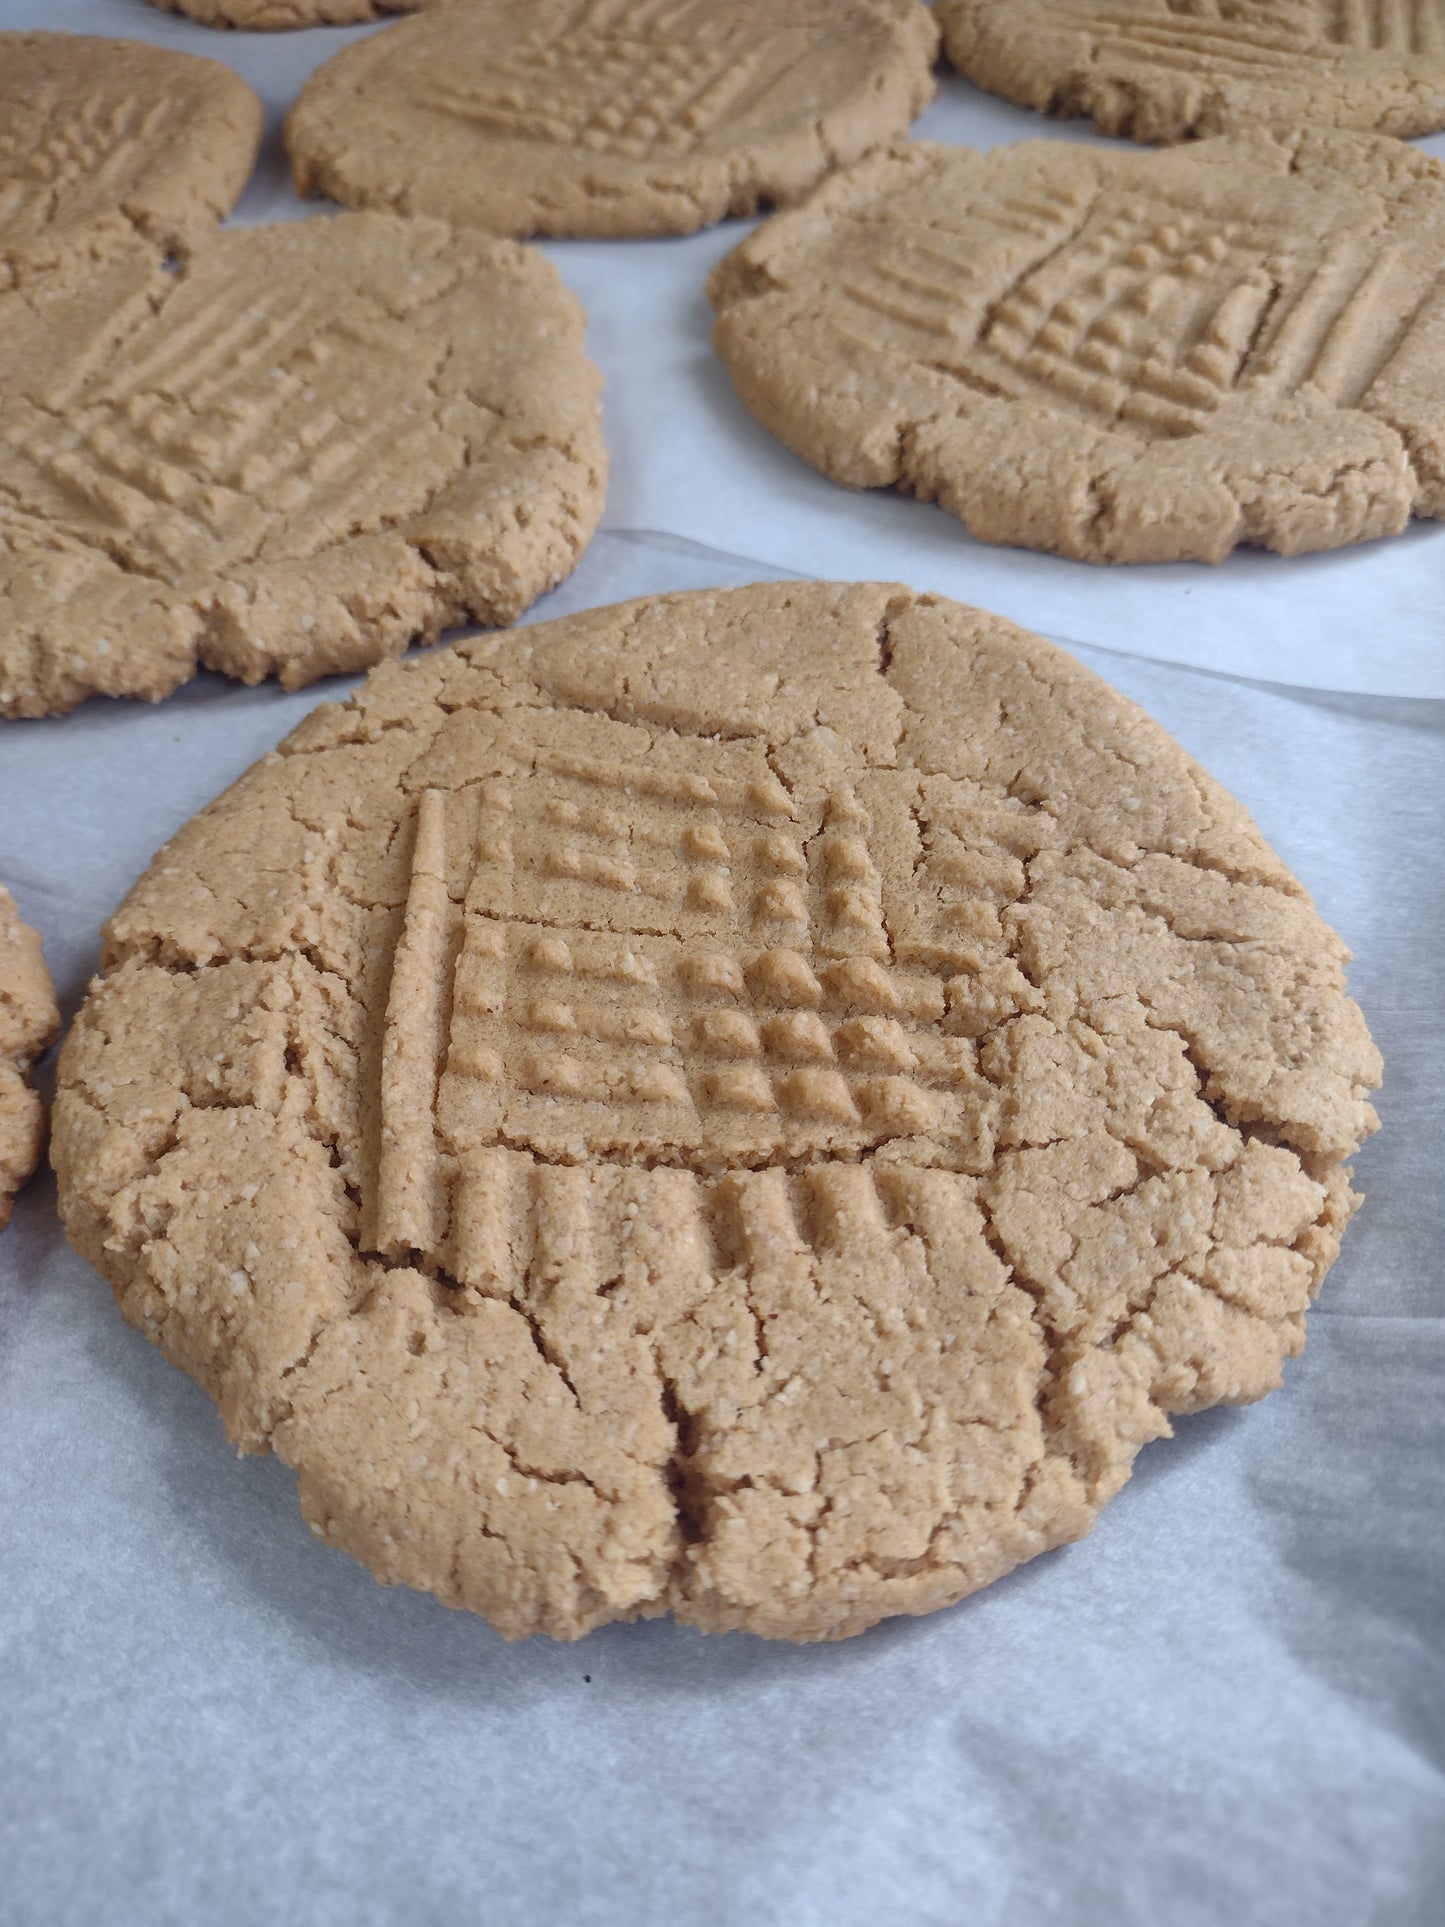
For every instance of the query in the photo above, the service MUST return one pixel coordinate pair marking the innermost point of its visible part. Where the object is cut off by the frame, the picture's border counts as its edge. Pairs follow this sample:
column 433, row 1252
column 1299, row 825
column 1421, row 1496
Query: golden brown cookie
column 29, row 1022
column 609, row 116
column 105, row 140
column 254, row 15
column 311, row 445
column 1161, row 69
column 1119, row 357
column 750, row 1104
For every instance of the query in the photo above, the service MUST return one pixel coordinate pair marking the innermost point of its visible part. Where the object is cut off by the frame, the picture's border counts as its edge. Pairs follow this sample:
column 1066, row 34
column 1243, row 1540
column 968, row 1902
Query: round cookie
column 254, row 15
column 1118, row 357
column 749, row 1104
column 310, row 445
column 29, row 1022
column 102, row 140
column 1162, row 69
column 609, row 117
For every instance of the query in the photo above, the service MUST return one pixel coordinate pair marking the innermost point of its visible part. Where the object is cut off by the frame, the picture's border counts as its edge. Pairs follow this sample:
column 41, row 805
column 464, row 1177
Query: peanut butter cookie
column 267, row 15
column 751, row 1105
column 29, row 1021
column 1119, row 357
column 1161, row 69
column 105, row 140
column 310, row 445
column 609, row 116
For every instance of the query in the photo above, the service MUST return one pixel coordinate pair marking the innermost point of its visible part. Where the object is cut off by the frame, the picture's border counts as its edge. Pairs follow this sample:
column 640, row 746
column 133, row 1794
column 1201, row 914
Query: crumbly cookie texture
column 105, row 141
column 1162, row 69
column 751, row 1105
column 1119, row 357
column 309, row 446
column 600, row 117
column 260, row 15
column 29, row 1022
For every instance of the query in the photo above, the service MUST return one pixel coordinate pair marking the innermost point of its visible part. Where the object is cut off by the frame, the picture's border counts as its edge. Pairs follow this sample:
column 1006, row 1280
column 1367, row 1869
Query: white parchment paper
column 1227, row 1705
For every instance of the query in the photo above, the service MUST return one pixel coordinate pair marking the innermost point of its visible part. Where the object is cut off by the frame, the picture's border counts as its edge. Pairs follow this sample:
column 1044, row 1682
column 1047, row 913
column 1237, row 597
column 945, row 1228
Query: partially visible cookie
column 309, row 446
column 749, row 1104
column 256, row 15
column 1120, row 357
column 102, row 140
column 1161, row 69
column 609, row 117
column 29, row 1021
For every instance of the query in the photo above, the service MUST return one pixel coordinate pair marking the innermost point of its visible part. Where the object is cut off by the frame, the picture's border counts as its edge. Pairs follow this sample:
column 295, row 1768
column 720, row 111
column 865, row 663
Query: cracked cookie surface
column 309, row 446
column 748, row 1104
column 609, row 117
column 29, row 1023
column 1117, row 357
column 1163, row 69
column 103, row 142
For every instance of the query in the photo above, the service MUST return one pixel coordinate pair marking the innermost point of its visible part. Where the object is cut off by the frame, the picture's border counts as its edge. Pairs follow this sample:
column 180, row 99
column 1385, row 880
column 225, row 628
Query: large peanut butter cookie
column 750, row 1105
column 308, row 446
column 1120, row 357
column 609, row 116
column 1161, row 69
column 104, row 140
column 29, row 1021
